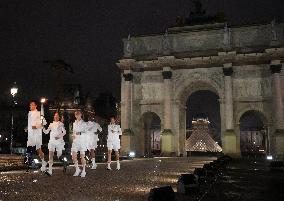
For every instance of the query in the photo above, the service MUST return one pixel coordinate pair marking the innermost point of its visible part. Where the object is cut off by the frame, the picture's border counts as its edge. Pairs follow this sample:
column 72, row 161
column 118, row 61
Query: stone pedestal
column 279, row 142
column 230, row 145
column 167, row 148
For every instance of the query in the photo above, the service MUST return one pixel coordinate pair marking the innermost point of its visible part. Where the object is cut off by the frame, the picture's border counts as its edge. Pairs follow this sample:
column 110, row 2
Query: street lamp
column 13, row 91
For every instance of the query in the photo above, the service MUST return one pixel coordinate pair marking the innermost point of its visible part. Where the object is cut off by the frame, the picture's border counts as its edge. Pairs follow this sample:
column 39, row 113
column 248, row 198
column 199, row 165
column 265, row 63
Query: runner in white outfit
column 92, row 129
column 56, row 142
column 79, row 143
column 113, row 142
column 35, row 132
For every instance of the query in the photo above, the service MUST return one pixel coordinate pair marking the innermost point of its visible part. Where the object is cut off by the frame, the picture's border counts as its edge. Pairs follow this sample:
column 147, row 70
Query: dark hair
column 33, row 101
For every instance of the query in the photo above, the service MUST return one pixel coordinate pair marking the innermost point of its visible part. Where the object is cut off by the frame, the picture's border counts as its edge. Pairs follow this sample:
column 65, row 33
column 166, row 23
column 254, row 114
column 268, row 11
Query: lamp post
column 13, row 91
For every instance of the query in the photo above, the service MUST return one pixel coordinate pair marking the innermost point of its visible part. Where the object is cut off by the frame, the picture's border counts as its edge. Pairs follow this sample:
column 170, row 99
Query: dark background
column 88, row 35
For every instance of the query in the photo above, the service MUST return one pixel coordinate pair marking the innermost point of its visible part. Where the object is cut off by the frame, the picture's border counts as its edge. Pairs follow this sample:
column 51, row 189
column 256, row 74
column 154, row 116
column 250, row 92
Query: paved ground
column 248, row 181
column 132, row 182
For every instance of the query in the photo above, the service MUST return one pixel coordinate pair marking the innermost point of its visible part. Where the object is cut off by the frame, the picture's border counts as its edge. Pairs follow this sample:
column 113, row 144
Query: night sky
column 87, row 35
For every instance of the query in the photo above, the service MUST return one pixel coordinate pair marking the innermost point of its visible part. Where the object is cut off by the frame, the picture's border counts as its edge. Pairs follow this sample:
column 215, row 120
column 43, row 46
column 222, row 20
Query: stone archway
column 184, row 90
column 253, row 130
column 150, row 131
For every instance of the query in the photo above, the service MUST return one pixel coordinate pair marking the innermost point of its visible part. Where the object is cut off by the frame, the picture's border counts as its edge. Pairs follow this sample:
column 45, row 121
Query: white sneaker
column 108, row 166
column 94, row 166
column 43, row 166
column 49, row 172
column 77, row 172
column 83, row 174
column 118, row 166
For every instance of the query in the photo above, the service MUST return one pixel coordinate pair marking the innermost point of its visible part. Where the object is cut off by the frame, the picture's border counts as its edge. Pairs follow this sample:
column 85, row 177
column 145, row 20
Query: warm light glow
column 43, row 100
column 132, row 154
column 36, row 161
column 14, row 90
column 269, row 157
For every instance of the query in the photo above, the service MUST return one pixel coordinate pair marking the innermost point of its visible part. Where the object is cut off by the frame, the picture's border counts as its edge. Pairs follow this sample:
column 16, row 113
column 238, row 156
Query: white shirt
column 34, row 120
column 79, row 127
column 114, row 131
column 56, row 129
column 93, row 127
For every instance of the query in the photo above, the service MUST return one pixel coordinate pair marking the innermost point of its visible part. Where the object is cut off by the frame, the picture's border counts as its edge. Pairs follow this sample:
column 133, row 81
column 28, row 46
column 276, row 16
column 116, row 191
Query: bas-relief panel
column 255, row 87
column 152, row 91
column 213, row 76
column 194, row 42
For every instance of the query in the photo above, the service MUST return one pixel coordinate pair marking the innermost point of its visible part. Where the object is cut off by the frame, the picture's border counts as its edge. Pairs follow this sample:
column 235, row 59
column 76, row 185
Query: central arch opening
column 253, row 134
column 203, row 122
column 152, row 134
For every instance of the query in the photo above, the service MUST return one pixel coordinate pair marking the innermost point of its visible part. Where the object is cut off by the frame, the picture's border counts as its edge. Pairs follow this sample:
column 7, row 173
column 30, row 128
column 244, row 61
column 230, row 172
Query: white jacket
column 56, row 129
column 114, row 131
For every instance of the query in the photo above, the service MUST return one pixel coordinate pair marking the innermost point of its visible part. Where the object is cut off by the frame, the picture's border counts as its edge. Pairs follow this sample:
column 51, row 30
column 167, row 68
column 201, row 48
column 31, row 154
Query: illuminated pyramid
column 200, row 140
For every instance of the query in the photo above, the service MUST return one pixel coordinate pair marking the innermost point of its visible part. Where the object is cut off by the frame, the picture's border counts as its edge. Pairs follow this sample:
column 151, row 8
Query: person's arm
column 46, row 131
column 63, row 132
column 119, row 130
column 109, row 129
column 99, row 127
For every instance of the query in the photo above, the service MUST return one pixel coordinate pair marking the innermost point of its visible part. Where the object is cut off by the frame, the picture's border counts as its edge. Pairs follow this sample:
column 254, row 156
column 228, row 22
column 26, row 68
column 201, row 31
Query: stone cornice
column 205, row 62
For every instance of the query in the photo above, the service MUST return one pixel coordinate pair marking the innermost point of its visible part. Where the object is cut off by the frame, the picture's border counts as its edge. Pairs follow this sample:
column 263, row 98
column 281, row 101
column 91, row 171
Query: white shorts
column 34, row 139
column 113, row 145
column 56, row 145
column 79, row 143
column 92, row 141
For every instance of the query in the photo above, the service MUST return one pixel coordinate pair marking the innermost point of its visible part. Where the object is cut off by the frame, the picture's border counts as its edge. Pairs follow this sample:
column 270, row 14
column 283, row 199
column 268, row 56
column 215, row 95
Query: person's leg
column 83, row 161
column 117, row 160
column 75, row 161
column 93, row 157
column 109, row 159
column 50, row 161
column 41, row 156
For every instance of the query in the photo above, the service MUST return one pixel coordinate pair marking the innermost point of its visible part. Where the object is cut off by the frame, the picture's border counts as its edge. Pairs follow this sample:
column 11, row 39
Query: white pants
column 80, row 143
column 92, row 141
column 113, row 144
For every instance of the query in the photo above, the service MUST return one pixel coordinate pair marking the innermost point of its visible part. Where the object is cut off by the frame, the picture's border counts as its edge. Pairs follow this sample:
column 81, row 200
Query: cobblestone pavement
column 132, row 182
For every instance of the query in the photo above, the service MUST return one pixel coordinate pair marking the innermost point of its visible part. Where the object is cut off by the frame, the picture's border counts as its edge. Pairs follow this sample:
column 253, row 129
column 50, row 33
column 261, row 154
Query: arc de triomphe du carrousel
column 241, row 65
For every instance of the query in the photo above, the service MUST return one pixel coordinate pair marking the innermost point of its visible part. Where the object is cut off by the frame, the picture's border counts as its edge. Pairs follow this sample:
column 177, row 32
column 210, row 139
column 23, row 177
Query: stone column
column 277, row 106
column 128, row 77
column 167, row 144
column 230, row 139
column 167, row 75
column 228, row 71
column 127, row 138
column 277, row 110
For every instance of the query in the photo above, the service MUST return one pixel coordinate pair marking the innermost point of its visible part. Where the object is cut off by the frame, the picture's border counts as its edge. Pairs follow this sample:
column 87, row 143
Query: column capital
column 167, row 75
column 128, row 76
column 275, row 68
column 228, row 71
